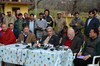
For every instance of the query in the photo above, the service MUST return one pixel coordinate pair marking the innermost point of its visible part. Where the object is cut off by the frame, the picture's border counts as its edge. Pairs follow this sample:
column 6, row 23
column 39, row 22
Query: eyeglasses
column 49, row 31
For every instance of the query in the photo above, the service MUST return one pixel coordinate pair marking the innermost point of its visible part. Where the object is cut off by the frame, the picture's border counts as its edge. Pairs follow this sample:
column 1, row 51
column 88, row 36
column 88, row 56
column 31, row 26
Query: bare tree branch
column 32, row 7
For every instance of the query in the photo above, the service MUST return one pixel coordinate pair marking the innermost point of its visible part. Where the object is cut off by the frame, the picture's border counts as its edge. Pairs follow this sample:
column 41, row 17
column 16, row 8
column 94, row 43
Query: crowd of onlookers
column 82, row 38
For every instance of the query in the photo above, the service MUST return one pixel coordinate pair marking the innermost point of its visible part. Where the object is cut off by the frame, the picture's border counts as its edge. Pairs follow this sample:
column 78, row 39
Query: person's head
column 26, row 15
column 65, row 28
column 17, row 11
column 93, row 33
column 41, row 15
column 95, row 11
column 50, row 31
column 11, row 26
column 46, row 12
column 71, row 33
column 32, row 16
column 26, row 30
column 4, row 27
column 9, row 13
column 20, row 15
column 91, row 14
column 76, row 14
column 59, row 15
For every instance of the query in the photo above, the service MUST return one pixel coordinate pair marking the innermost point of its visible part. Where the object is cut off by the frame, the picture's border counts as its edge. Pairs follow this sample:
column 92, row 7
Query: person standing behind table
column 16, row 13
column 50, row 38
column 91, row 22
column 48, row 18
column 96, row 14
column 77, row 24
column 90, row 49
column 26, row 17
column 26, row 36
column 9, row 18
column 40, row 26
column 11, row 26
column 99, row 31
column 2, row 17
column 59, row 22
column 19, row 23
column 32, row 24
column 6, row 36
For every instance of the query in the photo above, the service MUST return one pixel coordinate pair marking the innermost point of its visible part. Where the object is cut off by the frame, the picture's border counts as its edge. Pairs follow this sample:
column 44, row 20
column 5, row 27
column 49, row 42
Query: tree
column 32, row 7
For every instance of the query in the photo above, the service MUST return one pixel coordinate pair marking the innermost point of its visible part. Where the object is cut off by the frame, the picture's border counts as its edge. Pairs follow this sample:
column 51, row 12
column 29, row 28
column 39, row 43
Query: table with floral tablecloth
column 36, row 57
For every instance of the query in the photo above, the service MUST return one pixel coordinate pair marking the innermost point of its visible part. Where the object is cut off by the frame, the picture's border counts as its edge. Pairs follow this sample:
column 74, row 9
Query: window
column 15, row 0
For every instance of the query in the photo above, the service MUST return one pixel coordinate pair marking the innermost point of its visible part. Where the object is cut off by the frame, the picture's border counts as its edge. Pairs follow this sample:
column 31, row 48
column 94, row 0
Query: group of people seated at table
column 84, row 49
column 91, row 46
column 7, row 36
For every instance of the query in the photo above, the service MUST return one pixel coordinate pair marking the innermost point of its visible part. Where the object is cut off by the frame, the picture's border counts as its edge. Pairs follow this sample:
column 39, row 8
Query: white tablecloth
column 37, row 57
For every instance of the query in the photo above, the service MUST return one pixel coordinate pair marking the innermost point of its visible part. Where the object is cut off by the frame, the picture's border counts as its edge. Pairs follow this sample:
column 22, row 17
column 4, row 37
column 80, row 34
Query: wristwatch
column 89, row 55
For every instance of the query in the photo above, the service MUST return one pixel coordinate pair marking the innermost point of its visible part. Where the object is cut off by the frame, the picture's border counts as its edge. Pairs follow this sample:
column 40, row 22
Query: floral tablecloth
column 36, row 57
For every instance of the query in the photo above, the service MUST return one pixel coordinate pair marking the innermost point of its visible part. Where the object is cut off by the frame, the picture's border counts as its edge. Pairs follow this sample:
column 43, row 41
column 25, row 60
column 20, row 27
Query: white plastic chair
column 93, row 63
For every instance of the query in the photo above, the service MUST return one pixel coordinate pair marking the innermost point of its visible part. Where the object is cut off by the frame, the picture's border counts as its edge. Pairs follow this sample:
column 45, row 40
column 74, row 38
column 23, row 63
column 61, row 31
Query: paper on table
column 80, row 57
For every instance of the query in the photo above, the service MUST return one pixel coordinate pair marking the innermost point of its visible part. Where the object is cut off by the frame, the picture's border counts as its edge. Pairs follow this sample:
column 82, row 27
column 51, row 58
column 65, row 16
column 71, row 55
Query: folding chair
column 93, row 63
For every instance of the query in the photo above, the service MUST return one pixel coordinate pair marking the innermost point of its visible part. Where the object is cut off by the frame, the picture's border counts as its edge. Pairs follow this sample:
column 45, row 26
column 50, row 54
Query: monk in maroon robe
column 6, row 36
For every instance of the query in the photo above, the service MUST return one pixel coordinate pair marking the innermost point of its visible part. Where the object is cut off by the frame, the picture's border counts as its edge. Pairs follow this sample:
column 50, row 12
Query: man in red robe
column 6, row 36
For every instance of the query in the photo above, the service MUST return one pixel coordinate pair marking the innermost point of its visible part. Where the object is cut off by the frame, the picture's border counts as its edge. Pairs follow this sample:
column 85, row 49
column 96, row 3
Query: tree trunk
column 32, row 7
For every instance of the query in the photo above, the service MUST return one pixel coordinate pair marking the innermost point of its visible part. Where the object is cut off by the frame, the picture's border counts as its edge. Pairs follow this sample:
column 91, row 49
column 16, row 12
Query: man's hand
column 38, row 45
column 76, row 24
column 1, row 44
column 79, row 54
column 86, row 57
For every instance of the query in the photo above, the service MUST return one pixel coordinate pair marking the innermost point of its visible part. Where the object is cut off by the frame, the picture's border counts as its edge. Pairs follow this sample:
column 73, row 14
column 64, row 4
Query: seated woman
column 26, row 36
column 63, row 32
column 73, row 41
column 91, row 48
column 50, row 38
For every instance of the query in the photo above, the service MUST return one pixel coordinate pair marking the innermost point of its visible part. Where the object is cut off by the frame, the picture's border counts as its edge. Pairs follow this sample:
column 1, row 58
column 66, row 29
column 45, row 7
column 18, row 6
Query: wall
column 23, row 8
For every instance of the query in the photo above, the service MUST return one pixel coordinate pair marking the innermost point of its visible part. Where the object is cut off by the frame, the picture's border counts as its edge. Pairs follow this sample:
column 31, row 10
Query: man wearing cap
column 9, row 18
column 59, row 22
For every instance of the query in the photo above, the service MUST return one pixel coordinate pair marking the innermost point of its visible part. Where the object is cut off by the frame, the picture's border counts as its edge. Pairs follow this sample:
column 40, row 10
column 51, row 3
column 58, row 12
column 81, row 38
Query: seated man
column 11, row 26
column 72, row 41
column 50, row 38
column 26, row 36
column 6, row 36
column 91, row 48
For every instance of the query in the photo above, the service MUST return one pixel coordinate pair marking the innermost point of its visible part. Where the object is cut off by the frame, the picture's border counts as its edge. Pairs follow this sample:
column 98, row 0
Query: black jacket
column 91, row 47
column 53, row 40
column 49, row 19
column 16, row 33
column 94, row 23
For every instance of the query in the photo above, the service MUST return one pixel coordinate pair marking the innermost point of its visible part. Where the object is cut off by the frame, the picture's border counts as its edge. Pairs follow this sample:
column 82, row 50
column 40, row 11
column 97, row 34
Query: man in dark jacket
column 73, row 41
column 11, row 26
column 90, row 49
column 50, row 38
column 91, row 22
column 20, row 23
